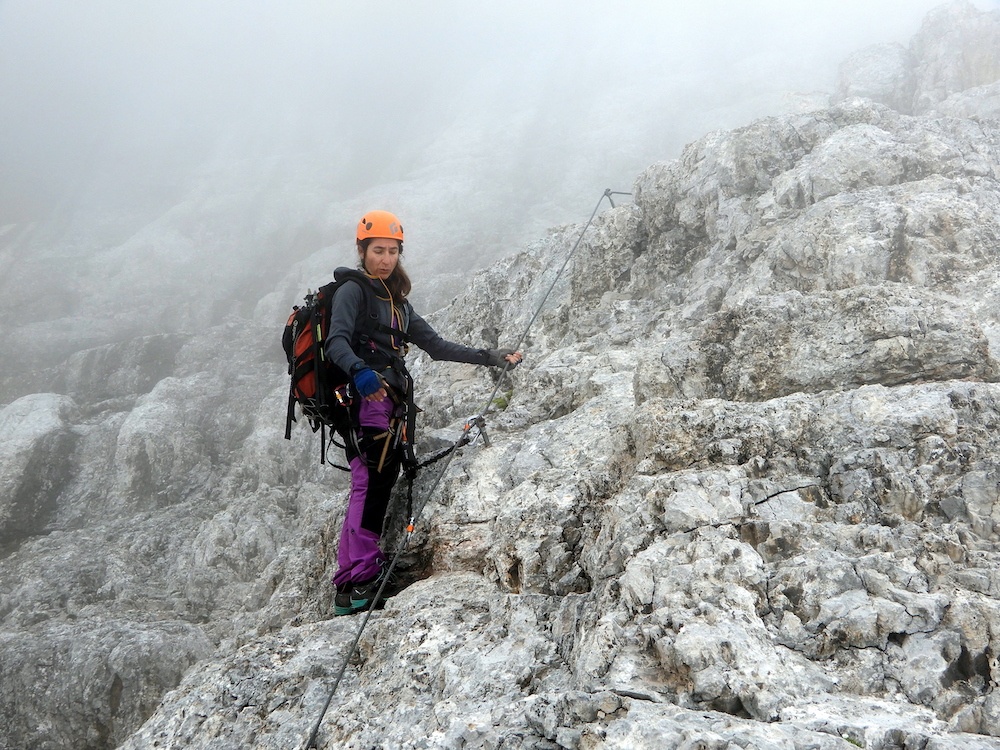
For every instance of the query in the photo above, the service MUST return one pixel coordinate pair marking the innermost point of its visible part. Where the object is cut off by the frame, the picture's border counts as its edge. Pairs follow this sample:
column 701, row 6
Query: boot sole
column 340, row 611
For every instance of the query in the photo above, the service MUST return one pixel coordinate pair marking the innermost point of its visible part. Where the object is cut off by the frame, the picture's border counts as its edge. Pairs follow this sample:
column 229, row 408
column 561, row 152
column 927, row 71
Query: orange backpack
column 322, row 390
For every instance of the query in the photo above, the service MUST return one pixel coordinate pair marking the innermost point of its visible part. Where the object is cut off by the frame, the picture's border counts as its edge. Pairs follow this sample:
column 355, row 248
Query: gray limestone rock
column 743, row 492
column 952, row 56
column 883, row 73
column 33, row 463
column 955, row 50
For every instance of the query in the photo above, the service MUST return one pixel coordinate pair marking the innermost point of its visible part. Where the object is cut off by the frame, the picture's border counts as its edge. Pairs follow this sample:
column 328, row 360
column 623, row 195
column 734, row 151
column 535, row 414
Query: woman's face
column 381, row 257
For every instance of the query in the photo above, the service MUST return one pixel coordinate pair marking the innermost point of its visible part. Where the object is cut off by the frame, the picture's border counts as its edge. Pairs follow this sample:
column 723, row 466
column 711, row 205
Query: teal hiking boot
column 363, row 594
column 342, row 604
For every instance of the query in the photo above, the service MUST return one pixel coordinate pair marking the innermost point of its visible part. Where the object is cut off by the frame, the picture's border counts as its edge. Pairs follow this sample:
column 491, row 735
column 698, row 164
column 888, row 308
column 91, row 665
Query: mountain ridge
column 742, row 492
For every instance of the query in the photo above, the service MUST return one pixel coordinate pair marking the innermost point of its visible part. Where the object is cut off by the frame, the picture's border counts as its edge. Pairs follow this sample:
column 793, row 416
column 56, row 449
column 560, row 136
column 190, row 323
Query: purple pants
column 359, row 557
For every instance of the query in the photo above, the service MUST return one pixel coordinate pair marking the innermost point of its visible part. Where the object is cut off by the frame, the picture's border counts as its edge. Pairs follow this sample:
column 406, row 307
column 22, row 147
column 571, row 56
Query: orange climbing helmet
column 380, row 224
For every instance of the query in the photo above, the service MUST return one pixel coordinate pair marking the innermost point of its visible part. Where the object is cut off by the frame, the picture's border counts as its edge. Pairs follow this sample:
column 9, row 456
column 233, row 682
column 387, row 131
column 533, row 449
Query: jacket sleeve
column 421, row 334
column 344, row 310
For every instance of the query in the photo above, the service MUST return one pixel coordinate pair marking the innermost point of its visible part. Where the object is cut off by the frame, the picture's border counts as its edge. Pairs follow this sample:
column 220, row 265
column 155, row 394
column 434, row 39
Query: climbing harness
column 477, row 423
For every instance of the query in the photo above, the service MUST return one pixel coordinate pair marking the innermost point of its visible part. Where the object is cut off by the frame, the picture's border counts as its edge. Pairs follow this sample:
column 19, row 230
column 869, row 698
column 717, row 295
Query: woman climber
column 371, row 346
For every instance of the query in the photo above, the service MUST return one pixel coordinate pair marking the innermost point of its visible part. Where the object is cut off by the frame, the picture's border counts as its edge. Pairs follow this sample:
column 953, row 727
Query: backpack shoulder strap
column 371, row 319
column 370, row 316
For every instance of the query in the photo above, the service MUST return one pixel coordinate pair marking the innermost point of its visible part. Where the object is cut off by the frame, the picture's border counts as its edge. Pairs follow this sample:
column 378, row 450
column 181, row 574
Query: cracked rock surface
column 744, row 492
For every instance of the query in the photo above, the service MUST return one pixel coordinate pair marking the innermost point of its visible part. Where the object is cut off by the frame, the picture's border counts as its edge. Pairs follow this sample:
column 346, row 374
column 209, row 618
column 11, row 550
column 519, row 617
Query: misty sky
column 214, row 155
column 135, row 88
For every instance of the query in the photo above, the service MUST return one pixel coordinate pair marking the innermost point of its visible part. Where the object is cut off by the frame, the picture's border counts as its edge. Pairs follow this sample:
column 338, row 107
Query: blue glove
column 367, row 382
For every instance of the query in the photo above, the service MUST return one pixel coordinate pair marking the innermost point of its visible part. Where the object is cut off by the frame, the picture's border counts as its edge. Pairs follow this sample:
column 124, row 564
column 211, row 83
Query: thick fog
column 140, row 94
column 222, row 142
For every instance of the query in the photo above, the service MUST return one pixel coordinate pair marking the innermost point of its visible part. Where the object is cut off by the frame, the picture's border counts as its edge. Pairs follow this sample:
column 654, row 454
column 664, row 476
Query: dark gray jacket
column 378, row 349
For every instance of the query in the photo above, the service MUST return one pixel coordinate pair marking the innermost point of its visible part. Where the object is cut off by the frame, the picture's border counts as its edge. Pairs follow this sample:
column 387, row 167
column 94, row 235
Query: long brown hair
column 398, row 283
